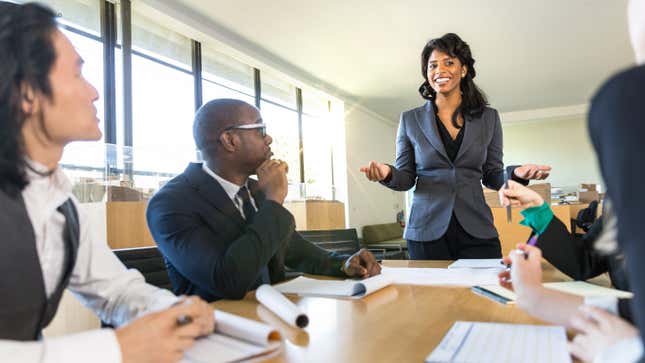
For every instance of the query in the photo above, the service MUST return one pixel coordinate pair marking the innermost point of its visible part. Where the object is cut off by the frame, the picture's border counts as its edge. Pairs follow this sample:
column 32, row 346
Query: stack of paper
column 470, row 342
column 441, row 276
column 495, row 263
column 235, row 338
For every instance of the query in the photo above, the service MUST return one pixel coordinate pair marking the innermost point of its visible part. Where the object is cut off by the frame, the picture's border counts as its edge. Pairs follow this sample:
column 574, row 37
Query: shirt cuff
column 626, row 350
column 96, row 346
column 608, row 303
column 537, row 218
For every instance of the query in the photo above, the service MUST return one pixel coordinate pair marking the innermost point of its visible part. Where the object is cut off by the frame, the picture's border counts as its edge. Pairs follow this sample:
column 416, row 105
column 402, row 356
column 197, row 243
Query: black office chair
column 149, row 261
column 345, row 241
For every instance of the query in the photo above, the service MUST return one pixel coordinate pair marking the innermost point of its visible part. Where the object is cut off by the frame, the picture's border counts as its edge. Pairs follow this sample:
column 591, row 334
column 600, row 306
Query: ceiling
column 529, row 55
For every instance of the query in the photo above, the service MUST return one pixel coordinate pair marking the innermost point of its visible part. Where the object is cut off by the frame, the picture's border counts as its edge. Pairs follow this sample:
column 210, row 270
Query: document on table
column 586, row 289
column 354, row 289
column 579, row 288
column 477, row 263
column 472, row 342
column 235, row 338
column 440, row 276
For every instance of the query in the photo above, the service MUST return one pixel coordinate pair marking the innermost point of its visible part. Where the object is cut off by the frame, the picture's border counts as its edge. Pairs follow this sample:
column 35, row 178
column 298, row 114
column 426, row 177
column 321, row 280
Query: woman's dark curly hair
column 473, row 99
column 27, row 55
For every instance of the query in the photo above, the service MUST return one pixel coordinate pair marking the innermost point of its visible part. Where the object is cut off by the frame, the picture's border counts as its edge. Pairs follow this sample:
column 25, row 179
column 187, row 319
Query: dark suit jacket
column 577, row 257
column 444, row 187
column 211, row 251
column 617, row 129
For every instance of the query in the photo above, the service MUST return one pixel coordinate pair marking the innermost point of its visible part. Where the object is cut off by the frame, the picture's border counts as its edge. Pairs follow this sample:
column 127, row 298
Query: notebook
column 440, row 276
column 474, row 342
column 580, row 288
column 235, row 338
column 354, row 289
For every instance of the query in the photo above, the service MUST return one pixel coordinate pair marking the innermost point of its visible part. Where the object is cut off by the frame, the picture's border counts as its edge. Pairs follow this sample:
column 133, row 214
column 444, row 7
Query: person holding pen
column 581, row 258
column 603, row 335
column 47, row 245
column 446, row 149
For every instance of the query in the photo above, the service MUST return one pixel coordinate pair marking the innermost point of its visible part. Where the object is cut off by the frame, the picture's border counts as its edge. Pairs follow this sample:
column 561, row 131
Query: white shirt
column 231, row 190
column 99, row 280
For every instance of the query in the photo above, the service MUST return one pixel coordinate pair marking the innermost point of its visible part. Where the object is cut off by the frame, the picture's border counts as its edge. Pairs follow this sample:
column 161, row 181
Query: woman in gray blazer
column 447, row 148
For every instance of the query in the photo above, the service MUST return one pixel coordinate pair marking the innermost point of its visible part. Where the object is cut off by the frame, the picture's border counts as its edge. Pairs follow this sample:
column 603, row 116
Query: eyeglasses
column 258, row 126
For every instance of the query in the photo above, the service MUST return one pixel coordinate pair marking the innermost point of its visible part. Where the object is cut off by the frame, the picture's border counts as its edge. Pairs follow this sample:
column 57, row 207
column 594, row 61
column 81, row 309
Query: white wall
column 369, row 137
column 562, row 143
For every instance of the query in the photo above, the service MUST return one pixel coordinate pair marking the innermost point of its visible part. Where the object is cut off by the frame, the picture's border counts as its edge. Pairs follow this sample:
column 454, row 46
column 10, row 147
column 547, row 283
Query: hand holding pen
column 525, row 273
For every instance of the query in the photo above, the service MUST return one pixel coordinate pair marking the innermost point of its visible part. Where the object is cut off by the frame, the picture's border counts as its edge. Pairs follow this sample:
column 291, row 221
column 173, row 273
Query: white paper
column 332, row 288
column 477, row 263
column 470, row 342
column 586, row 289
column 235, row 338
column 440, row 276
column 273, row 300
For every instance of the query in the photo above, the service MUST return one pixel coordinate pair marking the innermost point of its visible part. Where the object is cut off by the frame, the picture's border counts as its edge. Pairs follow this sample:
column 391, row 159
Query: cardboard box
column 588, row 187
column 586, row 197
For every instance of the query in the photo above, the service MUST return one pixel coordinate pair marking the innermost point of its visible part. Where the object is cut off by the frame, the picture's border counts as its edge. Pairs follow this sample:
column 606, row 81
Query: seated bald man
column 222, row 233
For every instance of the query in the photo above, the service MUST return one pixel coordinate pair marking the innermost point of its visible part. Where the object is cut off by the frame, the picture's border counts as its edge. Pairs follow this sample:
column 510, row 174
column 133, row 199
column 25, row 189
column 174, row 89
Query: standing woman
column 447, row 148
column 46, row 245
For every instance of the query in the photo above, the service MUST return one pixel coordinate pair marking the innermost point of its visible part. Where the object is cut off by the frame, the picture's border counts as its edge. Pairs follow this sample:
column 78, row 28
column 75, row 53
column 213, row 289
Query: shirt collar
column 231, row 189
column 57, row 180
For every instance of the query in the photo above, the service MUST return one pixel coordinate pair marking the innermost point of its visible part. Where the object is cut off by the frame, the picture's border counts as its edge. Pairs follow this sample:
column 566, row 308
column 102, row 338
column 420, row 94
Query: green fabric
column 537, row 218
column 382, row 232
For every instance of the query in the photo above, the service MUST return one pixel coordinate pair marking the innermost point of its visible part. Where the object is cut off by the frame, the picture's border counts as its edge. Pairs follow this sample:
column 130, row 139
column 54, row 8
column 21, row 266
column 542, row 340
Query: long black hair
column 473, row 100
column 27, row 55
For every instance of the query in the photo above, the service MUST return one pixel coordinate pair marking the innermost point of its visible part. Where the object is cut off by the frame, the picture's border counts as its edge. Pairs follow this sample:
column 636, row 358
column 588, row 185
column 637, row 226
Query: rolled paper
column 277, row 303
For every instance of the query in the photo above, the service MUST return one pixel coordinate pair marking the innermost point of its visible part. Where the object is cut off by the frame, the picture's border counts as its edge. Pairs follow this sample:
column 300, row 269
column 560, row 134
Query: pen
column 532, row 241
column 509, row 219
column 184, row 320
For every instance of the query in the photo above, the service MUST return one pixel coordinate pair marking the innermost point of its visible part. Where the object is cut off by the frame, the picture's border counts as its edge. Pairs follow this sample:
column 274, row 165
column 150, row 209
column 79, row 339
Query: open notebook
column 235, row 338
column 580, row 288
column 472, row 342
column 353, row 289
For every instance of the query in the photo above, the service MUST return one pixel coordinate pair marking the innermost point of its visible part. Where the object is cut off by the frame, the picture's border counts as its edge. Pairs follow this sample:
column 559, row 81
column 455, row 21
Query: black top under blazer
column 444, row 187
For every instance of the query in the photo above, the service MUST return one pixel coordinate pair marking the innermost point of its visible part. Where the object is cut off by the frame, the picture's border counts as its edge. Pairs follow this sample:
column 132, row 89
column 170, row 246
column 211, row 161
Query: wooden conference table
column 400, row 323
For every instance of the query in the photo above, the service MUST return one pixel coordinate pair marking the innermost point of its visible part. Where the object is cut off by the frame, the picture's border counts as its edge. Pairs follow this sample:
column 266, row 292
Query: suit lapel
column 471, row 135
column 212, row 191
column 428, row 125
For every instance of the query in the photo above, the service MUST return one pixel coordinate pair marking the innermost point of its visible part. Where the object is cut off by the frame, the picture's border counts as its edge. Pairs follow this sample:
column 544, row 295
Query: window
column 225, row 77
column 282, row 126
column 318, row 131
column 163, row 99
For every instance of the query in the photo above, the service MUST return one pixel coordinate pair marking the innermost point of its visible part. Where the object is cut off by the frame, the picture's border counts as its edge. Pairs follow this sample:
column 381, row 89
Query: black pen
column 184, row 320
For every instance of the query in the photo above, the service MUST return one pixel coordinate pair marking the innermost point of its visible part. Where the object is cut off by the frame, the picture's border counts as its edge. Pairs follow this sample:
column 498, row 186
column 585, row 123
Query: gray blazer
column 444, row 187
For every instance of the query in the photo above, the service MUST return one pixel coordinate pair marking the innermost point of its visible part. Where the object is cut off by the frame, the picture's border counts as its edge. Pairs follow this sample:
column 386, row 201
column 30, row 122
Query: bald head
column 636, row 19
column 213, row 118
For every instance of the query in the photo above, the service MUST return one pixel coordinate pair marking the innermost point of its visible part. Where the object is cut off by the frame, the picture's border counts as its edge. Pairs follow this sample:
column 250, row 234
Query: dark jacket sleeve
column 204, row 257
column 404, row 174
column 571, row 254
column 493, row 168
column 617, row 132
column 304, row 256
column 625, row 309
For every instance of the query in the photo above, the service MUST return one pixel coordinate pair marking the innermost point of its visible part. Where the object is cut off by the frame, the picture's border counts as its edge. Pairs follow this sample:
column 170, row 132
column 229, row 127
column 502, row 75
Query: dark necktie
column 70, row 237
column 247, row 206
column 249, row 213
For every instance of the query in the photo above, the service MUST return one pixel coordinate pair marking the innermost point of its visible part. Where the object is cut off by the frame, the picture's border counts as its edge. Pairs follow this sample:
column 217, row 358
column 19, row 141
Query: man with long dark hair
column 46, row 246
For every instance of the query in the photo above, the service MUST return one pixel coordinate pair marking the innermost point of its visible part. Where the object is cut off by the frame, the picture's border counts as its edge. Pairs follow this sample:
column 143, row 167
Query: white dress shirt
column 231, row 190
column 99, row 280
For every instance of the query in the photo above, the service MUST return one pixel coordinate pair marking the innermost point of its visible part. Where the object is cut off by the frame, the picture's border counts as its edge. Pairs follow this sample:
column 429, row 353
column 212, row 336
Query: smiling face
column 445, row 72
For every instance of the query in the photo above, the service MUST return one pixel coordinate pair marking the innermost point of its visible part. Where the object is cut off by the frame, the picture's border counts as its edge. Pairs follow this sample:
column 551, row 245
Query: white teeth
column 441, row 80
